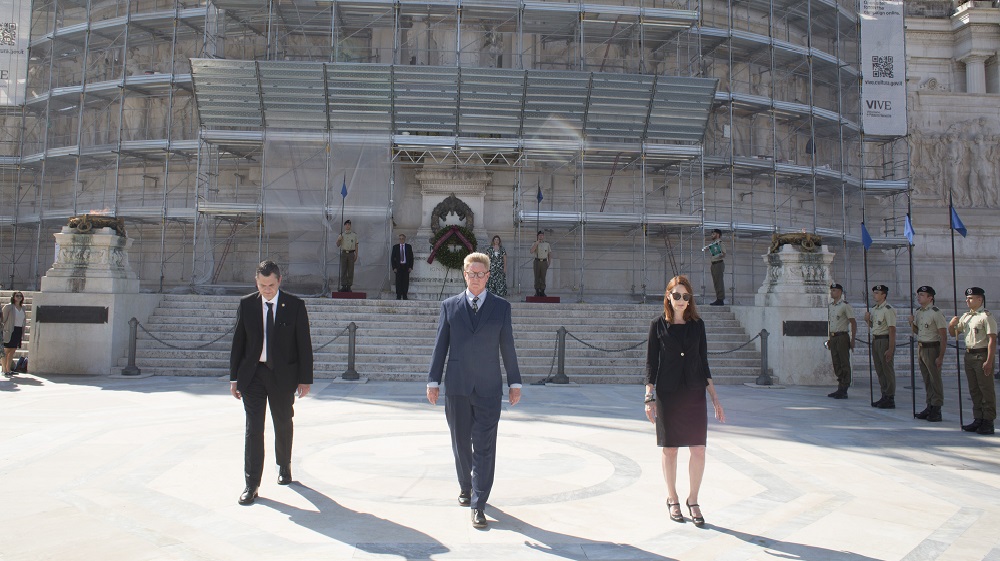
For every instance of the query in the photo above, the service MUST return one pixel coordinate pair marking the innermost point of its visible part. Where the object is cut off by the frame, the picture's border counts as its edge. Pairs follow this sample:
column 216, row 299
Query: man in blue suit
column 474, row 331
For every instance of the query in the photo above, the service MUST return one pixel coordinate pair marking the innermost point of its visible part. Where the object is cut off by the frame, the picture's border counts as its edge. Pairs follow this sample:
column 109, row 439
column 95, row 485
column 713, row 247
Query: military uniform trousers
column 981, row 388
column 347, row 268
column 884, row 368
column 718, row 279
column 541, row 266
column 931, row 373
column 840, row 352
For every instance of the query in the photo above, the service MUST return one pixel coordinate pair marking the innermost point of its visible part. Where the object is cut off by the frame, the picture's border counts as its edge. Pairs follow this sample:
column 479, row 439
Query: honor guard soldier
column 882, row 322
column 932, row 336
column 841, row 342
column 348, row 244
column 980, row 328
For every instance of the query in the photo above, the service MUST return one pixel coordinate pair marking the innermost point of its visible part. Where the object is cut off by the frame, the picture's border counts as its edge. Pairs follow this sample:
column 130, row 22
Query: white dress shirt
column 263, row 316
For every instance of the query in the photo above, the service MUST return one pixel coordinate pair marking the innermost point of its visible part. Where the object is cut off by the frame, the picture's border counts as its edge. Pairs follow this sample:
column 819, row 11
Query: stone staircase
column 28, row 307
column 395, row 339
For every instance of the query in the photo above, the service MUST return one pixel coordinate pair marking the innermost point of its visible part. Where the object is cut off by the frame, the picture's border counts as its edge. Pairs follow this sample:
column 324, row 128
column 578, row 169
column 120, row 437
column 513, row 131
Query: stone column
column 975, row 71
column 796, row 289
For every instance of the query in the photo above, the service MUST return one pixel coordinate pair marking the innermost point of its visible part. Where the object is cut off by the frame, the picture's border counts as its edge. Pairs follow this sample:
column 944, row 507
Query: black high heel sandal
column 699, row 521
column 670, row 510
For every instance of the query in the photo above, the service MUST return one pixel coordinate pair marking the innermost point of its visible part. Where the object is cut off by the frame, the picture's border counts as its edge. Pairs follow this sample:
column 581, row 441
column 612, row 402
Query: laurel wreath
column 444, row 254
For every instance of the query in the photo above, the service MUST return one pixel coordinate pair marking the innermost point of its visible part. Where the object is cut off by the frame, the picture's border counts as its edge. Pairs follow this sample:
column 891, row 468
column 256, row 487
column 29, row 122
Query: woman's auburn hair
column 691, row 312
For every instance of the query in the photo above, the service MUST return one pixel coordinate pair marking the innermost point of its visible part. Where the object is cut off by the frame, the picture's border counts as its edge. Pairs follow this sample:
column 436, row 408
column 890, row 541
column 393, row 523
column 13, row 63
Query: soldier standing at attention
column 980, row 328
column 543, row 255
column 882, row 321
column 348, row 244
column 841, row 342
column 718, row 253
column 932, row 336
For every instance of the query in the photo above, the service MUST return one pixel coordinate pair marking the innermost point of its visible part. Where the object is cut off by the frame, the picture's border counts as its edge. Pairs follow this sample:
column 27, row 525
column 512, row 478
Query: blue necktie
column 475, row 304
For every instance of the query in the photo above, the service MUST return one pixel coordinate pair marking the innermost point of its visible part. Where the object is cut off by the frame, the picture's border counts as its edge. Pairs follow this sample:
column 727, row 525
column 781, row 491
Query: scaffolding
column 224, row 132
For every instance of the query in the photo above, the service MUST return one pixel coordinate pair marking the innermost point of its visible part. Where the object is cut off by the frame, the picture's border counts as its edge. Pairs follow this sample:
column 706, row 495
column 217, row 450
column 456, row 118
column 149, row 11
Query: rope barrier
column 220, row 337
column 335, row 337
column 736, row 349
column 596, row 348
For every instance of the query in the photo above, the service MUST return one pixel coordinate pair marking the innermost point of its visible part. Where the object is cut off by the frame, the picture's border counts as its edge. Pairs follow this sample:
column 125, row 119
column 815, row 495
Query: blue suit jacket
column 473, row 345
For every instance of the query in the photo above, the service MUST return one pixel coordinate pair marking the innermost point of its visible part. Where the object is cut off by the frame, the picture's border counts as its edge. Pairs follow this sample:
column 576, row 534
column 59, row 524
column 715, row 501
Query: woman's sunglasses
column 678, row 296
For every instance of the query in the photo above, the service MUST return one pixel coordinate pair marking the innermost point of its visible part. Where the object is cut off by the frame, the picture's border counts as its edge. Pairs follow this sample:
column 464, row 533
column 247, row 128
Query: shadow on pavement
column 792, row 550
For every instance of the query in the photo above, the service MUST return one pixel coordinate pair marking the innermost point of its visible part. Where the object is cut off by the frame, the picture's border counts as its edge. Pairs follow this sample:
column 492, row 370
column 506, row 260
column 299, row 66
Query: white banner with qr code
column 883, row 68
column 15, row 19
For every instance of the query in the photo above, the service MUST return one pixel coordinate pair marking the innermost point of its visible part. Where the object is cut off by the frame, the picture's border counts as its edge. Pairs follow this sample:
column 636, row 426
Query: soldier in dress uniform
column 841, row 341
column 980, row 328
column 882, row 322
column 932, row 338
column 348, row 244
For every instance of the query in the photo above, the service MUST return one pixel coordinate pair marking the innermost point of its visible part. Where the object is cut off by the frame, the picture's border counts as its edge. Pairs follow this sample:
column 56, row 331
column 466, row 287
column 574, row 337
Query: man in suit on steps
column 271, row 362
column 402, row 265
column 474, row 332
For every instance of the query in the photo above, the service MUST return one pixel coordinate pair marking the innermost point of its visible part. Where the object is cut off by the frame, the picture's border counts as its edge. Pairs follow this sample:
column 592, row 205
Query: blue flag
column 956, row 223
column 866, row 238
column 908, row 230
column 343, row 188
column 540, row 197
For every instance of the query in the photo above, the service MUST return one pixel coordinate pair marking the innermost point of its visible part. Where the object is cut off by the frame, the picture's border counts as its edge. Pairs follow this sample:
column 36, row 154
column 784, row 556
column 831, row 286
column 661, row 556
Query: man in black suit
column 402, row 265
column 271, row 362
column 474, row 331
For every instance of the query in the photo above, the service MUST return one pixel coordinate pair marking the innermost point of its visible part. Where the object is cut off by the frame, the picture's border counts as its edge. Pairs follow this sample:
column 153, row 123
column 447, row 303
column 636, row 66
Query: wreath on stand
column 447, row 237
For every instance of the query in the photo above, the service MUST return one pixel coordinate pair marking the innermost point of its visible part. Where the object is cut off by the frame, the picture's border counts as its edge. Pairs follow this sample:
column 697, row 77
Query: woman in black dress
column 677, row 377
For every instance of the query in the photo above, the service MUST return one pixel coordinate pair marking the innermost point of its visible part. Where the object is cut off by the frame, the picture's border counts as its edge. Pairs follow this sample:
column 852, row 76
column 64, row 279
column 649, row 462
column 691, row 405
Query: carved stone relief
column 963, row 160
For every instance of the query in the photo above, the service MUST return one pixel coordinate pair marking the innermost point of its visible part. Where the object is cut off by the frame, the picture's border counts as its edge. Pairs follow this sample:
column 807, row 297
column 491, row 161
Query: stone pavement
column 100, row 468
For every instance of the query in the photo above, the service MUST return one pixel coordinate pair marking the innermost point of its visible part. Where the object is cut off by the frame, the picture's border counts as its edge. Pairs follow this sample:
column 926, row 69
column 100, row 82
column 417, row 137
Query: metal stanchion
column 765, row 377
column 133, row 330
column 351, row 373
column 560, row 376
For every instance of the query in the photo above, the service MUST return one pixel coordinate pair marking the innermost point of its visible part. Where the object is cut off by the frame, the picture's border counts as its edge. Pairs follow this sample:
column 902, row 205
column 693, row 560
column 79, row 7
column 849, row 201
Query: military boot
column 986, row 427
column 971, row 427
column 923, row 414
column 935, row 415
column 880, row 401
column 887, row 403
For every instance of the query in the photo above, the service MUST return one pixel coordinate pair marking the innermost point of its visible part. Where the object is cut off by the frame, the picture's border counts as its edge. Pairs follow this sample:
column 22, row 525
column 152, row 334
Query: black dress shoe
column 971, row 427
column 284, row 475
column 478, row 518
column 465, row 498
column 248, row 496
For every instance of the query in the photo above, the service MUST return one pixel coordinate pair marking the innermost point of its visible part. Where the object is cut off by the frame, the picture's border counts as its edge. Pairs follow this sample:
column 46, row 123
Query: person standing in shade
column 677, row 378
column 348, row 244
column 474, row 332
column 932, row 338
column 882, row 322
column 841, row 342
column 543, row 255
column 498, row 268
column 270, row 363
column 402, row 264
column 718, row 254
column 980, row 328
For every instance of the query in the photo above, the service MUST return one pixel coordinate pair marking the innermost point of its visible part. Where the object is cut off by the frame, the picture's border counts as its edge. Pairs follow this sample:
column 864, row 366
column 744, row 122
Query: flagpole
column 954, row 295
column 913, row 361
column 340, row 268
column 871, row 383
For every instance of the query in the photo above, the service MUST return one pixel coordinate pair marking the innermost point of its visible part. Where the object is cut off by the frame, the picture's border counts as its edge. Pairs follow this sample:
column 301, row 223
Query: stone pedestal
column 796, row 288
column 431, row 281
column 92, row 270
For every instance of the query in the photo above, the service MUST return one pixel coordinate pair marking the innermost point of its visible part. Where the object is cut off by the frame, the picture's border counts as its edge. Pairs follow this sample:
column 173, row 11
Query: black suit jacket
column 292, row 346
column 395, row 256
column 675, row 362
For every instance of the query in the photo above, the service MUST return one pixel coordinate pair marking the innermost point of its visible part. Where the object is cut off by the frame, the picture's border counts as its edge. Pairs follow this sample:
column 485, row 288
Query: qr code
column 882, row 67
column 8, row 34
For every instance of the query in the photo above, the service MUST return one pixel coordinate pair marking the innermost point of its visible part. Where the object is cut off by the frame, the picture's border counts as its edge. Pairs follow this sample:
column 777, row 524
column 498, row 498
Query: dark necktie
column 268, row 331
column 475, row 304
column 402, row 253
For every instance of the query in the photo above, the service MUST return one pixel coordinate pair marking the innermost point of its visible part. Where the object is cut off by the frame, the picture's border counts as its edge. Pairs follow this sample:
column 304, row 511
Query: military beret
column 837, row 286
column 881, row 288
column 927, row 289
column 975, row 291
